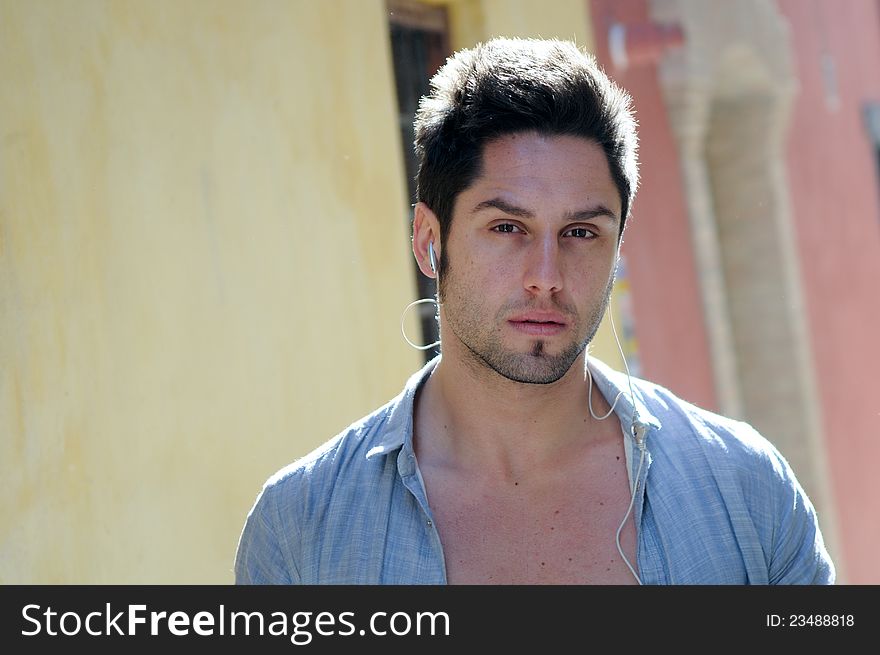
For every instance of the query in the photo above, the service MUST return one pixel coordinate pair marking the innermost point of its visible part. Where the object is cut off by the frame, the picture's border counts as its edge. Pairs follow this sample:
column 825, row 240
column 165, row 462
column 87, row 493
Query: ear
column 426, row 229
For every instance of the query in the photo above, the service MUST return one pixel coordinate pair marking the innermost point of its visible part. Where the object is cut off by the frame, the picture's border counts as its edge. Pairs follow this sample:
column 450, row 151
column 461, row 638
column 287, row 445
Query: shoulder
column 318, row 471
column 689, row 429
column 704, row 461
column 356, row 449
column 297, row 501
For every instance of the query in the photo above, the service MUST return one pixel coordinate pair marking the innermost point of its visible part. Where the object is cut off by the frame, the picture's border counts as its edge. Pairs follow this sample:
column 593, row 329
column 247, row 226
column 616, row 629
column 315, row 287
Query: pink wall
column 835, row 200
column 668, row 314
column 833, row 184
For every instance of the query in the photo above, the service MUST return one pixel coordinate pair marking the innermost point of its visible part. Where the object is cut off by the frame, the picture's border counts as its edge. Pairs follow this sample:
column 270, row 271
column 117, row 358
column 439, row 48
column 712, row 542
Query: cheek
column 477, row 289
column 585, row 281
column 596, row 264
column 482, row 270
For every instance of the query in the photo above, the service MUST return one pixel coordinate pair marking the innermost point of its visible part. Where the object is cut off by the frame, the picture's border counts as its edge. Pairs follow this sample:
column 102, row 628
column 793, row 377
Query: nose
column 543, row 270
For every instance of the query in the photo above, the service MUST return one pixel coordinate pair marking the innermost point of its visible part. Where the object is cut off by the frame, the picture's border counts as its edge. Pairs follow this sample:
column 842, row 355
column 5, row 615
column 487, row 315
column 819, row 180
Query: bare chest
column 556, row 532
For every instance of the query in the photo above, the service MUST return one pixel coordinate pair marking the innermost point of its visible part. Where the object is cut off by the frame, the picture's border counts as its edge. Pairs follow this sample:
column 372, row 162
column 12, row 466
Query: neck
column 469, row 416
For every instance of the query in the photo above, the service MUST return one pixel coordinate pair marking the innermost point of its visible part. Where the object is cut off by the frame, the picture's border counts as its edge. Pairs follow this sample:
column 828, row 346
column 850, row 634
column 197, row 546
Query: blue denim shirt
column 716, row 503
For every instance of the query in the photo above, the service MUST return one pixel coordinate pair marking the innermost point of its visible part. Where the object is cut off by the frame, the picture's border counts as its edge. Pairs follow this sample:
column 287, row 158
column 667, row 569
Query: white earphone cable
column 635, row 433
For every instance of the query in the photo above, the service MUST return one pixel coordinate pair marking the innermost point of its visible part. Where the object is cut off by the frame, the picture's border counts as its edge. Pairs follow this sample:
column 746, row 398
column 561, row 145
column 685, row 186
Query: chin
column 532, row 367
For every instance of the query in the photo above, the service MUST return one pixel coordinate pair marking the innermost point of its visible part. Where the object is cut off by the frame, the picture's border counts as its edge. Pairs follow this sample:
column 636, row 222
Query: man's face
column 532, row 248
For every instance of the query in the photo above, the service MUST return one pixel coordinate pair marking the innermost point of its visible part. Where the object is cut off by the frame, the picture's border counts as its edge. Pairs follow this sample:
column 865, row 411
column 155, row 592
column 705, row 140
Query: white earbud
column 431, row 256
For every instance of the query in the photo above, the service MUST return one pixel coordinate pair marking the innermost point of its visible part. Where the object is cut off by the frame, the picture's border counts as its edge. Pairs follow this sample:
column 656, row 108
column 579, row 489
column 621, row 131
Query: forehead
column 546, row 166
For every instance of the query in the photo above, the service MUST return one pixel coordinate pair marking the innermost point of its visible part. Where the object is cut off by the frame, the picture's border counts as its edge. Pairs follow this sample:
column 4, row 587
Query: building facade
column 204, row 248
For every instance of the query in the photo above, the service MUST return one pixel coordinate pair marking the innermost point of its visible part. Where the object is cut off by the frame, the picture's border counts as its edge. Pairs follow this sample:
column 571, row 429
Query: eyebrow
column 581, row 215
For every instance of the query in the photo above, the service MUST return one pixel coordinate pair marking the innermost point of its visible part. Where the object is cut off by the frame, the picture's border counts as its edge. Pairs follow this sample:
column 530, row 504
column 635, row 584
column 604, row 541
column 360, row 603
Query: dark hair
column 506, row 86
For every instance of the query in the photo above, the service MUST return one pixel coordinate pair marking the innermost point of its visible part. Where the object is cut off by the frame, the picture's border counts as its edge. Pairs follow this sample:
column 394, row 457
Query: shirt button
column 430, row 523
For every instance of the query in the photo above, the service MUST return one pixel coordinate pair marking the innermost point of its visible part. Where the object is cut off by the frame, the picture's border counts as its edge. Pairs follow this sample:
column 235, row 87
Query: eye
column 506, row 228
column 579, row 233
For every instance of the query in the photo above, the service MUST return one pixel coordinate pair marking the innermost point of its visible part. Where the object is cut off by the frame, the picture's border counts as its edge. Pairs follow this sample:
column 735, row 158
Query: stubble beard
column 536, row 366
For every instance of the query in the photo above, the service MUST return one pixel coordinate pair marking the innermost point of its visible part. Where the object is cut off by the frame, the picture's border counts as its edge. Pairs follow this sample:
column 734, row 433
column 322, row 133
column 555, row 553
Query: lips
column 538, row 323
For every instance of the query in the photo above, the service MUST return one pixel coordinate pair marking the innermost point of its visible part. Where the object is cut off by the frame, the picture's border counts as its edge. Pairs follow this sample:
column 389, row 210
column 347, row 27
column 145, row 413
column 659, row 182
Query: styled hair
column 506, row 86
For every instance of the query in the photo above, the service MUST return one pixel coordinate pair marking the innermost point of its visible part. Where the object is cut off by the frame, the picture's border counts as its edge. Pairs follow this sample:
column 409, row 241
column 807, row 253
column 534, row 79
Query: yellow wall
column 472, row 21
column 203, row 260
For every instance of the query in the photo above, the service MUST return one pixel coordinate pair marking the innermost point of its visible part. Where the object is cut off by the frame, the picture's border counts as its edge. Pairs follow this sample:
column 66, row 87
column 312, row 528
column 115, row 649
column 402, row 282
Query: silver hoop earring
column 403, row 316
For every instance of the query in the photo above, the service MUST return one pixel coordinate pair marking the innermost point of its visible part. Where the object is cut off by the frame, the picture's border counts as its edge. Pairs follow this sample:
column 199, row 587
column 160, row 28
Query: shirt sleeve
column 799, row 555
column 260, row 557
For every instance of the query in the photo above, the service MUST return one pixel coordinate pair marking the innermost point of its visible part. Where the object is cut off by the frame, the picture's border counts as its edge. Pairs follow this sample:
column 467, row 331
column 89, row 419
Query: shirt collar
column 631, row 404
column 398, row 431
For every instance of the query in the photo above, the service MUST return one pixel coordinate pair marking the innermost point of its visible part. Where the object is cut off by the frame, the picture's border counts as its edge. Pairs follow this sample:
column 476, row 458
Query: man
column 514, row 458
